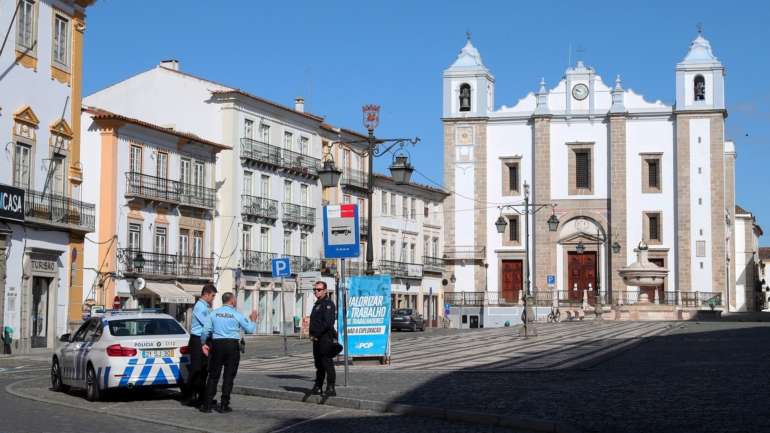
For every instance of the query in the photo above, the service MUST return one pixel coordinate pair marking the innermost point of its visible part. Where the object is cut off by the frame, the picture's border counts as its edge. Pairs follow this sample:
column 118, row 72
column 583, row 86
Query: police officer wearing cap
column 223, row 326
column 323, row 334
column 198, row 361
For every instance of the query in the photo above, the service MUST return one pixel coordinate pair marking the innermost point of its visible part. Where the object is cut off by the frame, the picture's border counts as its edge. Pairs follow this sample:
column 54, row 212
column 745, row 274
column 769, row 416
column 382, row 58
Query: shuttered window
column 513, row 228
column 583, row 169
column 653, row 173
column 513, row 177
column 654, row 224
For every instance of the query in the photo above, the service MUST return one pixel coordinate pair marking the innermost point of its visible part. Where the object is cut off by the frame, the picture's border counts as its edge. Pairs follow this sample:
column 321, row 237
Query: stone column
column 617, row 229
column 718, row 204
column 682, row 166
column 543, row 240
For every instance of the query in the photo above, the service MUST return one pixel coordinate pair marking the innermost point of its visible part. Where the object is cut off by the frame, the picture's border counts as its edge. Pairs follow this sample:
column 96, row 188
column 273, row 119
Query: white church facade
column 612, row 167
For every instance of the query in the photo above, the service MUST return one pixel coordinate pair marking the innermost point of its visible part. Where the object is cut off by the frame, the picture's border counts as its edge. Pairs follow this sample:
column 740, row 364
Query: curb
column 471, row 417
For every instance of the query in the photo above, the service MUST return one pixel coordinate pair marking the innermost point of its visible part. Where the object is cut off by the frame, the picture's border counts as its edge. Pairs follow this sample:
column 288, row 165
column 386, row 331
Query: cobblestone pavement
column 556, row 346
column 697, row 377
column 30, row 406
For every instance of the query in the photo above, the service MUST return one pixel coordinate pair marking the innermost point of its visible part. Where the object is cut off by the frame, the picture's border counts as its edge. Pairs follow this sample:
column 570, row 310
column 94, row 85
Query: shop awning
column 169, row 293
column 190, row 289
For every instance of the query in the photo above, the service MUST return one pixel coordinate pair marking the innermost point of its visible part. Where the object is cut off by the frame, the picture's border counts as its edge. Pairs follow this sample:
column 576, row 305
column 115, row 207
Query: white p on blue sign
column 551, row 280
column 281, row 267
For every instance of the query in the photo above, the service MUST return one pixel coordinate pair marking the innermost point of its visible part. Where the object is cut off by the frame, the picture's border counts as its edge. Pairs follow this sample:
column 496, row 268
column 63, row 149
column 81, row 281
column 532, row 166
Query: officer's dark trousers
column 225, row 353
column 324, row 364
column 198, row 369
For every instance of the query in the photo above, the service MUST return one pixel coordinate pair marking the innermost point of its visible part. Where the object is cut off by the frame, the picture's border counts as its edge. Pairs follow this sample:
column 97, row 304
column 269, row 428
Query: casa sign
column 11, row 203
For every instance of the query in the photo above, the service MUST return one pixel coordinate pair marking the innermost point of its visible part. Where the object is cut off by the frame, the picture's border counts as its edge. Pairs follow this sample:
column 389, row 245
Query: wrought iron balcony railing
column 257, row 151
column 297, row 214
column 303, row 264
column 259, row 207
column 355, row 178
column 464, row 298
column 171, row 191
column 464, row 253
column 257, row 261
column 401, row 269
column 145, row 263
column 58, row 211
column 433, row 264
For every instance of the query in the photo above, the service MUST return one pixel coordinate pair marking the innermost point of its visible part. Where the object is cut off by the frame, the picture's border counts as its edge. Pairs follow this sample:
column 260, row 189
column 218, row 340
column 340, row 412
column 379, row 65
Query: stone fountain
column 643, row 273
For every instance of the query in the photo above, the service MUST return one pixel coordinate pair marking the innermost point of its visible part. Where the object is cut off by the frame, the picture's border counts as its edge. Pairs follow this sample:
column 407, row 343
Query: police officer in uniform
column 323, row 334
column 224, row 326
column 198, row 361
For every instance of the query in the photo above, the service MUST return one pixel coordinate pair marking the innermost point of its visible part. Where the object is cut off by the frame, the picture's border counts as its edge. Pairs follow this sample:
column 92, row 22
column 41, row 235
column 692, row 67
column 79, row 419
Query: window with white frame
column 434, row 247
column 412, row 251
column 264, row 187
column 393, row 205
column 287, row 139
column 248, row 129
column 135, row 236
column 304, row 145
column 199, row 174
column 56, row 173
column 304, row 196
column 413, row 209
column 197, row 246
column 393, row 251
column 383, row 249
column 404, row 251
column 61, row 41
column 26, row 27
column 135, row 159
column 346, row 199
column 384, row 203
column 287, row 191
column 248, row 179
column 246, row 237
column 264, row 133
column 287, row 242
column 161, row 165
column 264, row 239
column 185, row 169
column 405, row 207
column 160, row 244
column 22, row 166
column 303, row 244
column 184, row 242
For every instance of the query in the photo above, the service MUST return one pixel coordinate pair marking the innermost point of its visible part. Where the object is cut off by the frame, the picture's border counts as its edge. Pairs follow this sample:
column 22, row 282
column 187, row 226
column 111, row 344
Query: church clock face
column 580, row 91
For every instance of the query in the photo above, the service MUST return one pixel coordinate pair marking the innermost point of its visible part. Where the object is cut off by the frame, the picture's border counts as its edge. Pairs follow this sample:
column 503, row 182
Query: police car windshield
column 140, row 327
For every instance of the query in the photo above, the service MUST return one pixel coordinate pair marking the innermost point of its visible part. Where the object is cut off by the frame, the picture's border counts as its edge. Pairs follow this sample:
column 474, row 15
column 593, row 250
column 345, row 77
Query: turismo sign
column 11, row 203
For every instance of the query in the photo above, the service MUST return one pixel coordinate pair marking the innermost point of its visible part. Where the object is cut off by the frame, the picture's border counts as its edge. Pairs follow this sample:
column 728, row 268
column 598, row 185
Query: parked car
column 407, row 318
column 122, row 349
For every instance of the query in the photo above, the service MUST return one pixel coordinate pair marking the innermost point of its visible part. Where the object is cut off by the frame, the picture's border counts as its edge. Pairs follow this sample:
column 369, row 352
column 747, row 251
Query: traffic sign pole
column 344, row 318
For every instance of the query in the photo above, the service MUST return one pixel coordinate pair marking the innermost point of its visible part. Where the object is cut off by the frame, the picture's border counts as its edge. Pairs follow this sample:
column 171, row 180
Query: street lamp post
column 553, row 224
column 400, row 169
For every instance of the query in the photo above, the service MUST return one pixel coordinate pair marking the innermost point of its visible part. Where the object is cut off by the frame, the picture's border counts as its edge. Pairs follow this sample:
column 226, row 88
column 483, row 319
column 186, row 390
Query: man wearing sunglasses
column 323, row 334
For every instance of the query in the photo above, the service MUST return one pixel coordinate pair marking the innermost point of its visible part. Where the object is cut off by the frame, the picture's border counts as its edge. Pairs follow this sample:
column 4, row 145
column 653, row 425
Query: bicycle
column 554, row 316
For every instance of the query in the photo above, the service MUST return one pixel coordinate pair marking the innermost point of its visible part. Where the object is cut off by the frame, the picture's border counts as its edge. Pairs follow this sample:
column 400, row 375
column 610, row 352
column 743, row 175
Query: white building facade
column 43, row 221
column 156, row 202
column 615, row 168
column 268, row 196
column 408, row 239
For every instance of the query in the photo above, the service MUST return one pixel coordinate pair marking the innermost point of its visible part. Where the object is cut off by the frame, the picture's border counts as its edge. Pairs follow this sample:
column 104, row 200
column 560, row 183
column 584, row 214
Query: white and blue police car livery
column 122, row 349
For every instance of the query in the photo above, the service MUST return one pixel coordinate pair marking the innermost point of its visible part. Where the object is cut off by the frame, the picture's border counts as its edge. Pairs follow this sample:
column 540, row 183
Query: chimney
column 299, row 104
column 170, row 64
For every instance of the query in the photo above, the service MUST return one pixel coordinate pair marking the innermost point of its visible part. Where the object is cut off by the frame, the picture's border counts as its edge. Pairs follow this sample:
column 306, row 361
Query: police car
column 122, row 349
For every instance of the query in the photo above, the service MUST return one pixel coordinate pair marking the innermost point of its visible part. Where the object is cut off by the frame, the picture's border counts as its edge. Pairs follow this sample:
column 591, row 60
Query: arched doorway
column 581, row 257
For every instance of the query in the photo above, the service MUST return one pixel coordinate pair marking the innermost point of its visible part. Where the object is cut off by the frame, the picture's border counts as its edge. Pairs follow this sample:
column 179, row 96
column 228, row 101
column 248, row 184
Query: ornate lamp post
column 529, row 209
column 400, row 169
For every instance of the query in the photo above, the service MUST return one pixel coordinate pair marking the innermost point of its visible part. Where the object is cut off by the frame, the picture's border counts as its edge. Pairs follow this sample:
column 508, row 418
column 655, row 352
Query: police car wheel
column 56, row 382
column 92, row 386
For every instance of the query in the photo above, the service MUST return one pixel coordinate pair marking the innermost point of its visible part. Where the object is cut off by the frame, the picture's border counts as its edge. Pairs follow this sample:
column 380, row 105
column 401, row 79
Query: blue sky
column 340, row 55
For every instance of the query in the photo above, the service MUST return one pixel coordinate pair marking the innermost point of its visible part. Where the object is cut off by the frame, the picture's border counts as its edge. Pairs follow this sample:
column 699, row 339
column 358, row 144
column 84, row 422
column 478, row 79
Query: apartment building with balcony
column 43, row 219
column 154, row 190
column 268, row 194
column 408, row 239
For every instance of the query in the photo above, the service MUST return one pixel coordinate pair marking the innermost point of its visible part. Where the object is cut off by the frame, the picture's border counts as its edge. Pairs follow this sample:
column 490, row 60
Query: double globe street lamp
column 400, row 169
column 553, row 225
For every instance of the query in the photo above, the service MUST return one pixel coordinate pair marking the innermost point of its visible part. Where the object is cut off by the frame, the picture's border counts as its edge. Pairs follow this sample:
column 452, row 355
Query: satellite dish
column 138, row 284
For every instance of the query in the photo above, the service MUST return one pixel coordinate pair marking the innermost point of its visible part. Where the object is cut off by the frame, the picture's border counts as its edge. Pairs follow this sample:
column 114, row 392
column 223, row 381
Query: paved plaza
column 578, row 376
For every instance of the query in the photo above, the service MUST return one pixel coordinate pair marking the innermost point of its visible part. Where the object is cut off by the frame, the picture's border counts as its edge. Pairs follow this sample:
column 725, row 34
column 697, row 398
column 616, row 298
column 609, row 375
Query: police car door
column 78, row 350
column 68, row 353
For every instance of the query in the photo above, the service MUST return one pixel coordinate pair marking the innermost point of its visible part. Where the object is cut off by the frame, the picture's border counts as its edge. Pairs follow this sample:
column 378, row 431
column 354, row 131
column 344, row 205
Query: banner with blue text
column 368, row 316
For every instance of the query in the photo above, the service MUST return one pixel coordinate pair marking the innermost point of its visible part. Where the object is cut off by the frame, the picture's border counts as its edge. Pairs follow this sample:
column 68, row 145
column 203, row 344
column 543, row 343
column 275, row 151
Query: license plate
column 158, row 353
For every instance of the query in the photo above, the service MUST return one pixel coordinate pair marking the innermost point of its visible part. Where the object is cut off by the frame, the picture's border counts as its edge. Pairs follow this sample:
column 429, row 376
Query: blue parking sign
column 281, row 267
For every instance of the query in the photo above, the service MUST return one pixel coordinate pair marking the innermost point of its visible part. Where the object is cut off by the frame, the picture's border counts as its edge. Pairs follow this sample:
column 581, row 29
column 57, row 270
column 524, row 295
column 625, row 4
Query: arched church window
column 465, row 97
column 699, row 88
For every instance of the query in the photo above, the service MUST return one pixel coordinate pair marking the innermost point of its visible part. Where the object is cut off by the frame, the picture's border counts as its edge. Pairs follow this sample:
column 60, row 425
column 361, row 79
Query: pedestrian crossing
column 556, row 346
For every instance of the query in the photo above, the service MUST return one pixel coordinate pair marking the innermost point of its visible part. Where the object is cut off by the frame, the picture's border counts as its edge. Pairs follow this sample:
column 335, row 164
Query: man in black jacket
column 322, row 333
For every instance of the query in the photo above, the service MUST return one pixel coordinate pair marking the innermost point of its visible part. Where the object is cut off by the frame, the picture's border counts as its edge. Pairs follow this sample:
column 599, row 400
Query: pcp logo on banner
column 365, row 345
